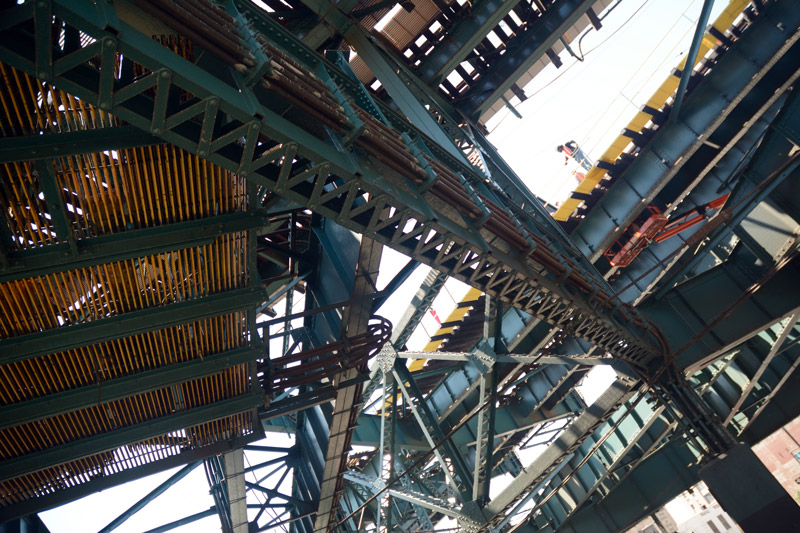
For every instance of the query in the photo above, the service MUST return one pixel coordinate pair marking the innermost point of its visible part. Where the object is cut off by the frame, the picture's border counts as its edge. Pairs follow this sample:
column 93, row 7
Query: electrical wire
column 604, row 41
column 667, row 57
column 582, row 55
column 601, row 43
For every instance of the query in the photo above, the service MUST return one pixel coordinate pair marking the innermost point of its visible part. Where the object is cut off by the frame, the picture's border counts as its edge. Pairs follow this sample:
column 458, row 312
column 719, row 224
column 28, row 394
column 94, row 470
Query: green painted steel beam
column 462, row 38
column 689, row 314
column 384, row 68
column 126, row 245
column 124, row 387
column 453, row 245
column 24, row 347
column 52, row 145
column 68, row 494
column 36, row 461
column 521, row 53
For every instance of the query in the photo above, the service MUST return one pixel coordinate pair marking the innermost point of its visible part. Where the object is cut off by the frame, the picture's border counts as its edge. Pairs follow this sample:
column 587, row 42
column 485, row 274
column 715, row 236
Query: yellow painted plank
column 456, row 315
column 658, row 99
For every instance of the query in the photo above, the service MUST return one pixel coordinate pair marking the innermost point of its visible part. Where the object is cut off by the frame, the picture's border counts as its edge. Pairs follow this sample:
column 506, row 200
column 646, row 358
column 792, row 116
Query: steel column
column 67, row 143
column 462, row 38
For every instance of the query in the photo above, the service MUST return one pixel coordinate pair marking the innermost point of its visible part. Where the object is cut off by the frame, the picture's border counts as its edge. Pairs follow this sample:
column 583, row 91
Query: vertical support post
column 484, row 442
column 290, row 294
column 253, row 280
column 691, row 57
column 392, row 450
column 386, row 360
column 237, row 497
column 748, row 492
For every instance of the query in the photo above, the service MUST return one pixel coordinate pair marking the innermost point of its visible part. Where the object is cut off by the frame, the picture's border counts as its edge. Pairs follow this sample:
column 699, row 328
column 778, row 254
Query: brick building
column 780, row 452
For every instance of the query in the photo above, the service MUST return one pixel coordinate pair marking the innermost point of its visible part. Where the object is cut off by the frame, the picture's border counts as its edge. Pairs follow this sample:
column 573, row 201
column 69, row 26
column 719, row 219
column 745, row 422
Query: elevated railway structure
column 196, row 199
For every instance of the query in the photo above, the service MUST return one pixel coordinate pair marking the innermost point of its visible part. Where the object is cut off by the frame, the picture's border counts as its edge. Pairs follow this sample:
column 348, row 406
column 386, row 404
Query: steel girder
column 755, row 57
column 658, row 260
column 690, row 313
column 462, row 38
column 24, row 347
column 786, row 327
column 335, row 187
column 576, row 433
column 130, row 244
column 111, row 440
column 635, row 495
column 345, row 408
column 54, row 145
column 97, row 484
column 124, row 387
column 522, row 52
column 330, row 203
column 752, row 203
column 740, row 385
column 381, row 66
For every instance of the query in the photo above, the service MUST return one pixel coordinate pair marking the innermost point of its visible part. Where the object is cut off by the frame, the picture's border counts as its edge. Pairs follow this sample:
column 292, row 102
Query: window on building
column 724, row 522
column 713, row 526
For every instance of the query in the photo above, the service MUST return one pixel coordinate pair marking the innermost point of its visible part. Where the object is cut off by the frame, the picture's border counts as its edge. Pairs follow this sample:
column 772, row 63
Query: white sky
column 592, row 101
column 588, row 102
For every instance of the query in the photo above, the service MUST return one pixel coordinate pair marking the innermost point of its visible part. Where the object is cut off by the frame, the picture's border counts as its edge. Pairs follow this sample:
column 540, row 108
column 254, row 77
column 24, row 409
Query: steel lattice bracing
column 177, row 174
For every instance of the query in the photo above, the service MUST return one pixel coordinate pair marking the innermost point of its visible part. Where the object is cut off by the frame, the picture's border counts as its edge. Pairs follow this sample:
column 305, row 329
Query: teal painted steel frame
column 34, row 462
column 452, row 247
column 23, row 347
column 125, row 245
column 68, row 143
column 124, row 387
column 99, row 483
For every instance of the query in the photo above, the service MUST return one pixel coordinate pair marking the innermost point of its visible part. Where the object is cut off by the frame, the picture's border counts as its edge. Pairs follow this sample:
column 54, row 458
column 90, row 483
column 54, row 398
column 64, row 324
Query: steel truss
column 320, row 153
